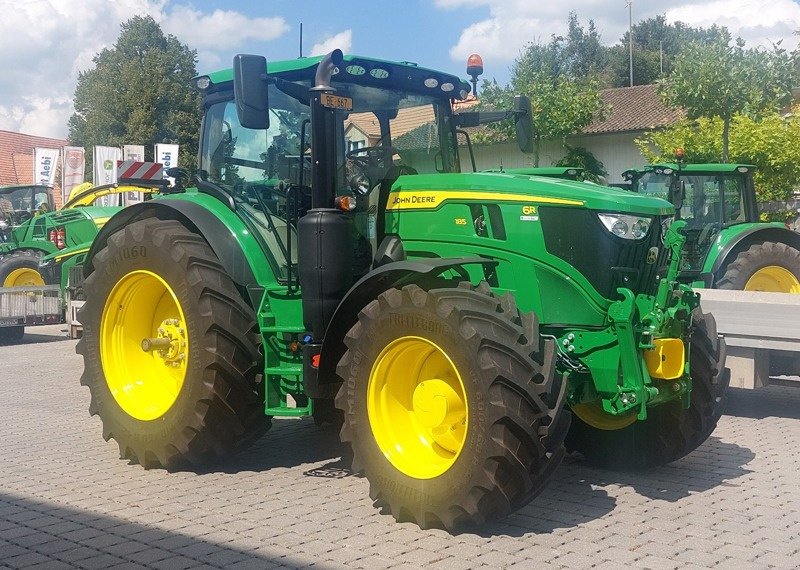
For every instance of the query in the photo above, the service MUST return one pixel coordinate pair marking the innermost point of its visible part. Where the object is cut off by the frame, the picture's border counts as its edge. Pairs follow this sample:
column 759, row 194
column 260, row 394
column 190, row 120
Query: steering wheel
column 372, row 155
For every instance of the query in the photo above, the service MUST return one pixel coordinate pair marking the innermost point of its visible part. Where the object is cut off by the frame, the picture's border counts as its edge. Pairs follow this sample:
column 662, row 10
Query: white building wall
column 616, row 151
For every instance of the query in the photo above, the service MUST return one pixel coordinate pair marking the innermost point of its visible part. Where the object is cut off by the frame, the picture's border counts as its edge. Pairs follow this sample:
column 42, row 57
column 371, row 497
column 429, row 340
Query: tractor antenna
column 301, row 39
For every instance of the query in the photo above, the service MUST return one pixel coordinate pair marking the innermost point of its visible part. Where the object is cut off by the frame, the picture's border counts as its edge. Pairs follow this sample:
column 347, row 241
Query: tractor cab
column 379, row 121
column 709, row 197
column 18, row 204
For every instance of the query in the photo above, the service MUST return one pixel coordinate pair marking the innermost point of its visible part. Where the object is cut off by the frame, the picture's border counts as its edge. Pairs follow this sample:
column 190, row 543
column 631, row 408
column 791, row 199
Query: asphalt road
column 68, row 501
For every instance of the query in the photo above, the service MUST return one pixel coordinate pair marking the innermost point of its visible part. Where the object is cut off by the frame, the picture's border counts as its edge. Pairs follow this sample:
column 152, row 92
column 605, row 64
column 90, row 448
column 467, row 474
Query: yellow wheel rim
column 23, row 277
column 594, row 415
column 144, row 348
column 417, row 407
column 773, row 278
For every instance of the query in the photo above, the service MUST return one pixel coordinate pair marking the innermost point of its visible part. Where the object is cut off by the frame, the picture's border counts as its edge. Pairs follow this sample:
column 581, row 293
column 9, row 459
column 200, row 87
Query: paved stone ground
column 67, row 501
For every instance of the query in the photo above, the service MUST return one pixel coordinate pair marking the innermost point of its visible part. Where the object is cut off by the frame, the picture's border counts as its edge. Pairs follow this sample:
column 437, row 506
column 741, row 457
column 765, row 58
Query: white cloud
column 45, row 44
column 222, row 29
column 511, row 24
column 342, row 40
column 759, row 22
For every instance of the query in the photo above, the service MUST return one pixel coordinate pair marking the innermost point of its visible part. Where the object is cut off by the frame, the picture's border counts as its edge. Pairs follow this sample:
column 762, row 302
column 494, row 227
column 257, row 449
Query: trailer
column 22, row 307
column 759, row 329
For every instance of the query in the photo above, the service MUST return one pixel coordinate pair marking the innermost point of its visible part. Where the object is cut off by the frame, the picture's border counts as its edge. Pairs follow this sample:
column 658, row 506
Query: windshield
column 708, row 198
column 388, row 133
column 19, row 204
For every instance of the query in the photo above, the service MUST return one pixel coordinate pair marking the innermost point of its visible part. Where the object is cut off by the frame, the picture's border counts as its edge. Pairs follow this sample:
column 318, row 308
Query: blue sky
column 405, row 30
column 45, row 44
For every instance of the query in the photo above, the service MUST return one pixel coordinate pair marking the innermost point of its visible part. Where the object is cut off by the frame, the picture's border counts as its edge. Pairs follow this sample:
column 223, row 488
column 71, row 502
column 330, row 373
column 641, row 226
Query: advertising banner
column 105, row 171
column 74, row 162
column 133, row 152
column 45, row 161
column 167, row 154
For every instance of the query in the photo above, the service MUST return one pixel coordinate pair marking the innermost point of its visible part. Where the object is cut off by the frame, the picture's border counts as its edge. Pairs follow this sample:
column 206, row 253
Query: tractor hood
column 99, row 215
column 429, row 191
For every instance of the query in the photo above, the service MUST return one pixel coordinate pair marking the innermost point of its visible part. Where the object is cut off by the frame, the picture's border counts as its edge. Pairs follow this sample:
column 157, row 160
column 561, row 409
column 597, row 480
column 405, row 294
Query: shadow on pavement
column 772, row 401
column 300, row 442
column 713, row 464
column 35, row 338
column 574, row 495
column 50, row 535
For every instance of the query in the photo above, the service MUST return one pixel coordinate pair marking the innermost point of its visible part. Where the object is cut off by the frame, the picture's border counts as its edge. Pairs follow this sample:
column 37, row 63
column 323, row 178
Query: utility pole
column 630, row 38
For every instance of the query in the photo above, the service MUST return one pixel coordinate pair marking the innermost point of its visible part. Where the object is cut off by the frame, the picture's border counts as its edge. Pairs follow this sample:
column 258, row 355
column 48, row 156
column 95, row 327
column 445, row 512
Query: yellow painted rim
column 775, row 279
column 142, row 309
column 23, row 277
column 417, row 407
column 594, row 415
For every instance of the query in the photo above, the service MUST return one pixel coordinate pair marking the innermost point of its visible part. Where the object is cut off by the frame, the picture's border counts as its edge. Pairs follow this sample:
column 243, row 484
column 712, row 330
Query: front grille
column 578, row 237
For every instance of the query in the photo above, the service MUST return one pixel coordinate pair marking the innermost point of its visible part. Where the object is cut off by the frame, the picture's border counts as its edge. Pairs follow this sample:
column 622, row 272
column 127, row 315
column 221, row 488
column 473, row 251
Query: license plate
column 336, row 102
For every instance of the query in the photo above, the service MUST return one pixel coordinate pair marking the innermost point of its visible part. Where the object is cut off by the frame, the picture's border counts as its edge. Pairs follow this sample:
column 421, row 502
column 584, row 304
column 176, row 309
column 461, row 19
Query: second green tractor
column 464, row 328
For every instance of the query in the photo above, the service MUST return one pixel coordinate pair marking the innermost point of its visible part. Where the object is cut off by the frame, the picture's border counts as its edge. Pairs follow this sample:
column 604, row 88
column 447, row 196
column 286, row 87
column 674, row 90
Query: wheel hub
column 438, row 407
column 417, row 407
column 144, row 345
column 170, row 343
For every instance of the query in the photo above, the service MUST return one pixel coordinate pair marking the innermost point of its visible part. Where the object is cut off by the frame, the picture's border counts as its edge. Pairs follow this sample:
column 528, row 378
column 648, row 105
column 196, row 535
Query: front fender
column 423, row 272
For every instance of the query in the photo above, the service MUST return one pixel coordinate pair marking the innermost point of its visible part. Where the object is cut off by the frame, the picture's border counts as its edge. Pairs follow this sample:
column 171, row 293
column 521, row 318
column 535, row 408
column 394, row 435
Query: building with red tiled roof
column 16, row 158
column 634, row 109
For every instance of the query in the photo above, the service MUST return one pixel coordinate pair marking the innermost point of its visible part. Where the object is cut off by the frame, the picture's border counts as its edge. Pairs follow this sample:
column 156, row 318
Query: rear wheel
column 451, row 405
column 169, row 348
column 20, row 269
column 767, row 266
column 669, row 432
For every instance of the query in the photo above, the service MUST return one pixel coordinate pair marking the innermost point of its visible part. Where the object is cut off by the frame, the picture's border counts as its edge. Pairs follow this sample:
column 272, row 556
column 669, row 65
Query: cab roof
column 366, row 71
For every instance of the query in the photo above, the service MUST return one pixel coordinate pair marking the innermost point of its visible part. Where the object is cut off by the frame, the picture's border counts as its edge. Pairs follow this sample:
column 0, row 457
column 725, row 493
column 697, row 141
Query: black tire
column 669, row 432
column 21, row 259
column 738, row 272
column 220, row 407
column 515, row 415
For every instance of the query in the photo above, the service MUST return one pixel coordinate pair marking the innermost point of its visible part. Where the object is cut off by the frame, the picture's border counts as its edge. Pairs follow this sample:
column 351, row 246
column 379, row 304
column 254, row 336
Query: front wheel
column 670, row 431
column 451, row 405
column 169, row 349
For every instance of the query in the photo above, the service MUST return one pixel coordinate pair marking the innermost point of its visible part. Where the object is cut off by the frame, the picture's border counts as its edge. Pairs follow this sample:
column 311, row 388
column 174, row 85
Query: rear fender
column 219, row 235
column 744, row 240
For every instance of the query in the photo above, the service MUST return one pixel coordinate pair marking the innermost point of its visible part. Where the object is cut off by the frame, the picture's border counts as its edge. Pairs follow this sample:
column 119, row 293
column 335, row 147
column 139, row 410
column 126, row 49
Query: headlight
column 626, row 226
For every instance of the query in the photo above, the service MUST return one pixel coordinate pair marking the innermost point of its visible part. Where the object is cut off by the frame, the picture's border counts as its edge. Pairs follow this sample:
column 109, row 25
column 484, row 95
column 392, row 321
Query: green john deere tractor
column 727, row 246
column 31, row 228
column 450, row 321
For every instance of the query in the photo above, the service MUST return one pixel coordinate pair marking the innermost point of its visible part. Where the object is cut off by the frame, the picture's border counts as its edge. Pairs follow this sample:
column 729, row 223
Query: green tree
column 561, row 102
column 656, row 44
column 140, row 91
column 593, row 168
column 769, row 143
column 583, row 50
column 720, row 80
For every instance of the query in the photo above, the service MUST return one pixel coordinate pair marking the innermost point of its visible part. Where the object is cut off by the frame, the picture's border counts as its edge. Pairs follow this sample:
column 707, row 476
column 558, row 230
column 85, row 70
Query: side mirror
column 250, row 90
column 523, row 125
